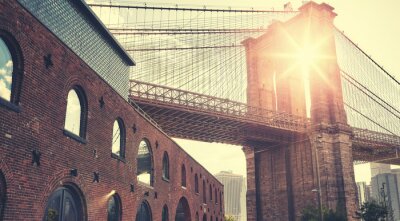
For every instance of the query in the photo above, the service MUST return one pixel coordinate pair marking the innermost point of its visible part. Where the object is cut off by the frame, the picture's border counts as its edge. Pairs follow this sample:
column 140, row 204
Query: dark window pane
column 54, row 207
column 70, row 213
column 62, row 206
column 113, row 209
column 166, row 166
column 165, row 213
column 143, row 213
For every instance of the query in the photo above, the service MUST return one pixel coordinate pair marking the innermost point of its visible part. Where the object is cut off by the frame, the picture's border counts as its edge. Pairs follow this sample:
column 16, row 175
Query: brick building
column 72, row 147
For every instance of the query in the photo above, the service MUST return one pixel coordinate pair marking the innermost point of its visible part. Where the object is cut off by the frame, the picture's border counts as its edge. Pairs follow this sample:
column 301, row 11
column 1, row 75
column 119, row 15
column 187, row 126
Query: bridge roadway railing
column 172, row 97
column 374, row 138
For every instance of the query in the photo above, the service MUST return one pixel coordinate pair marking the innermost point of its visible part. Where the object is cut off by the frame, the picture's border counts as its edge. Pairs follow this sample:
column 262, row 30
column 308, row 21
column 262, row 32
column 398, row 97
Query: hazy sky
column 373, row 25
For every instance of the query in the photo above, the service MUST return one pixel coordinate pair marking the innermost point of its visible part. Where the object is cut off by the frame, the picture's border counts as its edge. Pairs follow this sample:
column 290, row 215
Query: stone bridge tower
column 303, row 169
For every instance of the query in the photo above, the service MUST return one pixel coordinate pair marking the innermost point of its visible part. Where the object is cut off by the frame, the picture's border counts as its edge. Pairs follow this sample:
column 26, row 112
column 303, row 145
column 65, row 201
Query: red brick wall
column 39, row 126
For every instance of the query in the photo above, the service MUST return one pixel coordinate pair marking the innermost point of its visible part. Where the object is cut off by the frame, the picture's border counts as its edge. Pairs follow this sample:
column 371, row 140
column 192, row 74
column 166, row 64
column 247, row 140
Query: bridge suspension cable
column 190, row 48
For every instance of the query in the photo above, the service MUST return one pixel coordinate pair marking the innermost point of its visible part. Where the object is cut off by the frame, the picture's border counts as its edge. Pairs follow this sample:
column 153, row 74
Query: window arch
column 76, row 112
column 165, row 169
column 165, row 215
column 11, row 69
column 114, row 208
column 183, row 210
column 64, row 204
column 118, row 138
column 204, row 192
column 144, row 212
column 210, row 191
column 196, row 183
column 2, row 194
column 183, row 175
column 145, row 163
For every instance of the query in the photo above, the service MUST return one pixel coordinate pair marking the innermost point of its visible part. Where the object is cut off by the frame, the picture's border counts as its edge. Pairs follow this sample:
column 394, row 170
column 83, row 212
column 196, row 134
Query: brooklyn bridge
column 303, row 99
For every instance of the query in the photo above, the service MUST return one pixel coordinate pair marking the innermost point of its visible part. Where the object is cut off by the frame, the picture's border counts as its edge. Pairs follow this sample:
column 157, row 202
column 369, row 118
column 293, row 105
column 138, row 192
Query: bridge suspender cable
column 373, row 61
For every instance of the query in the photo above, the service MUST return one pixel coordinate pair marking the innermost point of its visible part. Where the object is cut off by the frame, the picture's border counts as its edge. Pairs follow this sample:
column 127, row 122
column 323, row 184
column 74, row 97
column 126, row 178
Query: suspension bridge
column 192, row 78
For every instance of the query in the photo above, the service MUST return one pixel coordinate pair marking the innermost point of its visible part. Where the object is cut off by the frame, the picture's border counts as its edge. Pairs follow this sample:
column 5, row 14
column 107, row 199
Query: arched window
column 204, row 192
column 114, row 208
column 2, row 194
column 204, row 217
column 165, row 169
column 118, row 139
column 183, row 175
column 197, row 217
column 144, row 212
column 145, row 163
column 183, row 210
column 64, row 205
column 196, row 183
column 164, row 214
column 10, row 71
column 210, row 192
column 76, row 114
column 211, row 218
column 216, row 196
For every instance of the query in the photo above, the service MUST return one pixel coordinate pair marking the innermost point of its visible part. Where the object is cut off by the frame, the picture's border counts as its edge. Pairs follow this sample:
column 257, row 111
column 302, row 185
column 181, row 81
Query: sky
column 373, row 25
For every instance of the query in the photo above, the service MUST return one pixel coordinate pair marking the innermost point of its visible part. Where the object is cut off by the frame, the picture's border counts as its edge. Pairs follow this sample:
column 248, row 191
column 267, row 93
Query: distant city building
column 397, row 173
column 379, row 168
column 363, row 192
column 384, row 189
column 234, row 194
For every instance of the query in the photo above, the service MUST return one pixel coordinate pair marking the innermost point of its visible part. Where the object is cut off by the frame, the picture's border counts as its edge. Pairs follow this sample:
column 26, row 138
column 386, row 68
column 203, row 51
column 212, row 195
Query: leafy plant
column 311, row 213
column 229, row 218
column 373, row 211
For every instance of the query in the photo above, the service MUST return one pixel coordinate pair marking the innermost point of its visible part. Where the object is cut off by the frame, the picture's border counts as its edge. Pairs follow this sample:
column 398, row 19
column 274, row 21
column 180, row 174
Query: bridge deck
column 195, row 116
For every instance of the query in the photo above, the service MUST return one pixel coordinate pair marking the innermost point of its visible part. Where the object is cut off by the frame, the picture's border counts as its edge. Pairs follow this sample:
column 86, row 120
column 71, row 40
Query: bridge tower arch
column 302, row 170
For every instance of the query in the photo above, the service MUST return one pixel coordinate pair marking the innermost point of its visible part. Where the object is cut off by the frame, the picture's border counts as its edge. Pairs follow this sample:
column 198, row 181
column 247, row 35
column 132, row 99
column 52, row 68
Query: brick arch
column 173, row 204
column 64, row 178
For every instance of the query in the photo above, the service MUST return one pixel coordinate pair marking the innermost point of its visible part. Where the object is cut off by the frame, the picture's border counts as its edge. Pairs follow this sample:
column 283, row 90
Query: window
column 164, row 214
column 165, row 170
column 118, row 139
column 63, row 205
column 204, row 192
column 6, row 71
column 183, row 176
column 76, row 113
column 10, row 71
column 145, row 163
column 216, row 196
column 196, row 183
column 144, row 212
column 210, row 191
column 204, row 217
column 114, row 210
column 197, row 217
column 182, row 210
column 220, row 202
column 2, row 194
